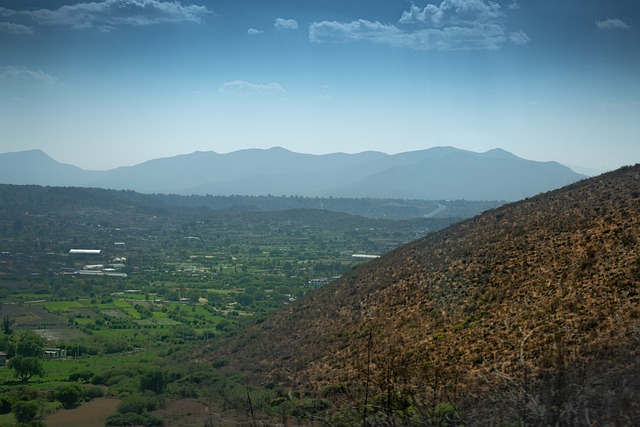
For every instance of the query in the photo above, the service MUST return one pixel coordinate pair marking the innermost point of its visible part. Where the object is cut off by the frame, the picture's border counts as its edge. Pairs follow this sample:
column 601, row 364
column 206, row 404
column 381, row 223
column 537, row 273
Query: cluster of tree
column 24, row 349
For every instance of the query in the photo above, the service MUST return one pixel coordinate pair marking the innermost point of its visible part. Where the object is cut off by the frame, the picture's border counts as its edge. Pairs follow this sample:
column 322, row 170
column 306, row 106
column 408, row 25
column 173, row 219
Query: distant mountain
column 35, row 167
column 494, row 175
column 527, row 314
column 436, row 173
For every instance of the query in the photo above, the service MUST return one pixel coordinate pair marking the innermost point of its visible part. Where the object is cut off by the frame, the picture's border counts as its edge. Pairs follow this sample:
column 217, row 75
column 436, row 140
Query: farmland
column 158, row 282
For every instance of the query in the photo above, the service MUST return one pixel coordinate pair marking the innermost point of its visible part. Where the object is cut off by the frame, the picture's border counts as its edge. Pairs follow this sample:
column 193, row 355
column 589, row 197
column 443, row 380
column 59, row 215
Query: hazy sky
column 116, row 82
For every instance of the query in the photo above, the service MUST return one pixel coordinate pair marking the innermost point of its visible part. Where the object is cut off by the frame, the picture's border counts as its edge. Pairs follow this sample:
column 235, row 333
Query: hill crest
column 529, row 312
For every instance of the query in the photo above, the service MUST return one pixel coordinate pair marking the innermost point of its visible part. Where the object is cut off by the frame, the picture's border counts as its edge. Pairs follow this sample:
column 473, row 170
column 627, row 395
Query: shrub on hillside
column 135, row 404
column 94, row 392
column 69, row 395
column 153, row 380
column 24, row 411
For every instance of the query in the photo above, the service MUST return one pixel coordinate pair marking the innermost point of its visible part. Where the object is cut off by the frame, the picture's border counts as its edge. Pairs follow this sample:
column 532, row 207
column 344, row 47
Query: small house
column 54, row 353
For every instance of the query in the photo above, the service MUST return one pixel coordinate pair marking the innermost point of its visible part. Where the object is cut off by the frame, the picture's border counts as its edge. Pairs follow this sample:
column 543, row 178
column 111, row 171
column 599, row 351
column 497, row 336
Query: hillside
column 433, row 174
column 528, row 313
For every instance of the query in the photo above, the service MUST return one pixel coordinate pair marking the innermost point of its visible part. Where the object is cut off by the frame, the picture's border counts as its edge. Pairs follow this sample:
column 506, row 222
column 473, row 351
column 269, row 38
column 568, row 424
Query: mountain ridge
column 434, row 173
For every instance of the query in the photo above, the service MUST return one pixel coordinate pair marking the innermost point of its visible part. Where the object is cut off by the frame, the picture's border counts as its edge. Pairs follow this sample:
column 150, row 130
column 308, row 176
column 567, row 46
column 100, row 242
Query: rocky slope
column 528, row 313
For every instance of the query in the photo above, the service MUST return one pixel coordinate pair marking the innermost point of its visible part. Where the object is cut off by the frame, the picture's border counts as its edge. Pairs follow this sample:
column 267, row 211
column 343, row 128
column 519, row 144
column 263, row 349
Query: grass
column 26, row 297
column 166, row 322
column 62, row 306
column 127, row 308
column 7, row 419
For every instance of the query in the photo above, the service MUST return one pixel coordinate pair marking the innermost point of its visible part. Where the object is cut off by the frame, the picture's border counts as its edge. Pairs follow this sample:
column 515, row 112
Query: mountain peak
column 36, row 167
column 499, row 153
column 33, row 153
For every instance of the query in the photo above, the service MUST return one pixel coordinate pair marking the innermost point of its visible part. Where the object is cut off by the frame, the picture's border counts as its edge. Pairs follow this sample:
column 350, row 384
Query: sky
column 111, row 83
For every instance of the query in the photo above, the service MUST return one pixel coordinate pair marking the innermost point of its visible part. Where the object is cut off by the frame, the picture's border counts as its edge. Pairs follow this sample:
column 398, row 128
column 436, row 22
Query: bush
column 153, row 421
column 185, row 392
column 155, row 402
column 153, row 380
column 333, row 389
column 132, row 419
column 84, row 376
column 94, row 392
column 115, row 379
column 5, row 404
column 132, row 404
column 99, row 379
column 24, row 412
column 445, row 414
column 309, row 407
column 129, row 419
column 69, row 395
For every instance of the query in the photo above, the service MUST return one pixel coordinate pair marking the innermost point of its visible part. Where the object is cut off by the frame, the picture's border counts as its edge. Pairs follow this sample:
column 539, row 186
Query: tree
column 27, row 343
column 6, row 325
column 69, row 395
column 153, row 380
column 244, row 299
column 24, row 411
column 26, row 367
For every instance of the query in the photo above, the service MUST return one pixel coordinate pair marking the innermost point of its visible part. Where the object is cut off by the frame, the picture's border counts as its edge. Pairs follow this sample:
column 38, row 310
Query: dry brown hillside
column 528, row 313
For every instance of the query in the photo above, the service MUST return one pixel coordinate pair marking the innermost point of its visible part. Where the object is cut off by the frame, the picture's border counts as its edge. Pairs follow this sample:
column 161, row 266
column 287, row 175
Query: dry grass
column 535, row 303
column 90, row 414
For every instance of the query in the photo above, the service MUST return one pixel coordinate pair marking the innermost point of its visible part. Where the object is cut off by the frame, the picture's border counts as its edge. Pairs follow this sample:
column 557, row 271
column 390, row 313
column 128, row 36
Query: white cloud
column 11, row 28
column 254, row 31
column 453, row 25
column 519, row 37
column 453, row 12
column 8, row 12
column 24, row 76
column 612, row 24
column 448, row 38
column 342, row 32
column 611, row 104
column 240, row 85
column 286, row 24
column 110, row 13
column 513, row 5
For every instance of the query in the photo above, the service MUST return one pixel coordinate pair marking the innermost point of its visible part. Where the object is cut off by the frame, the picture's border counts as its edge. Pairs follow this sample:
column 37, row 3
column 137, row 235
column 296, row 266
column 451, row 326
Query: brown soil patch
column 90, row 414
column 31, row 317
column 194, row 412
column 184, row 412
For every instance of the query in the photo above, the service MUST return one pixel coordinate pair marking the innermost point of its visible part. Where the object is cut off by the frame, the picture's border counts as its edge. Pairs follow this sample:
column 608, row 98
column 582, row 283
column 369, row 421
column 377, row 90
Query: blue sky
column 116, row 82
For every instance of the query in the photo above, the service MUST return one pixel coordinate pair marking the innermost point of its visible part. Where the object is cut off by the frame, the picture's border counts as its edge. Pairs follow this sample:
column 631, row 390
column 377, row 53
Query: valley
column 518, row 314
column 119, row 282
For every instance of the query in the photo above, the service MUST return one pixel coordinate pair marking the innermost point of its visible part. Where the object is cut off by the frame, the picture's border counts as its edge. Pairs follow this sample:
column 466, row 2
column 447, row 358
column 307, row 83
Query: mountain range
column 439, row 173
column 528, row 314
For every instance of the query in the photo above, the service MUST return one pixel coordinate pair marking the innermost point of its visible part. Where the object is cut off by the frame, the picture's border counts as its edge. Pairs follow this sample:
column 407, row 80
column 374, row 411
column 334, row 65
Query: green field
column 186, row 277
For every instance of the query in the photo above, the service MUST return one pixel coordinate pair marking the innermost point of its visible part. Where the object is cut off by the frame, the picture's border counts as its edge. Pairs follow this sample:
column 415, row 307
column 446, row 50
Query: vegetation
column 525, row 315
column 171, row 276
column 25, row 367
